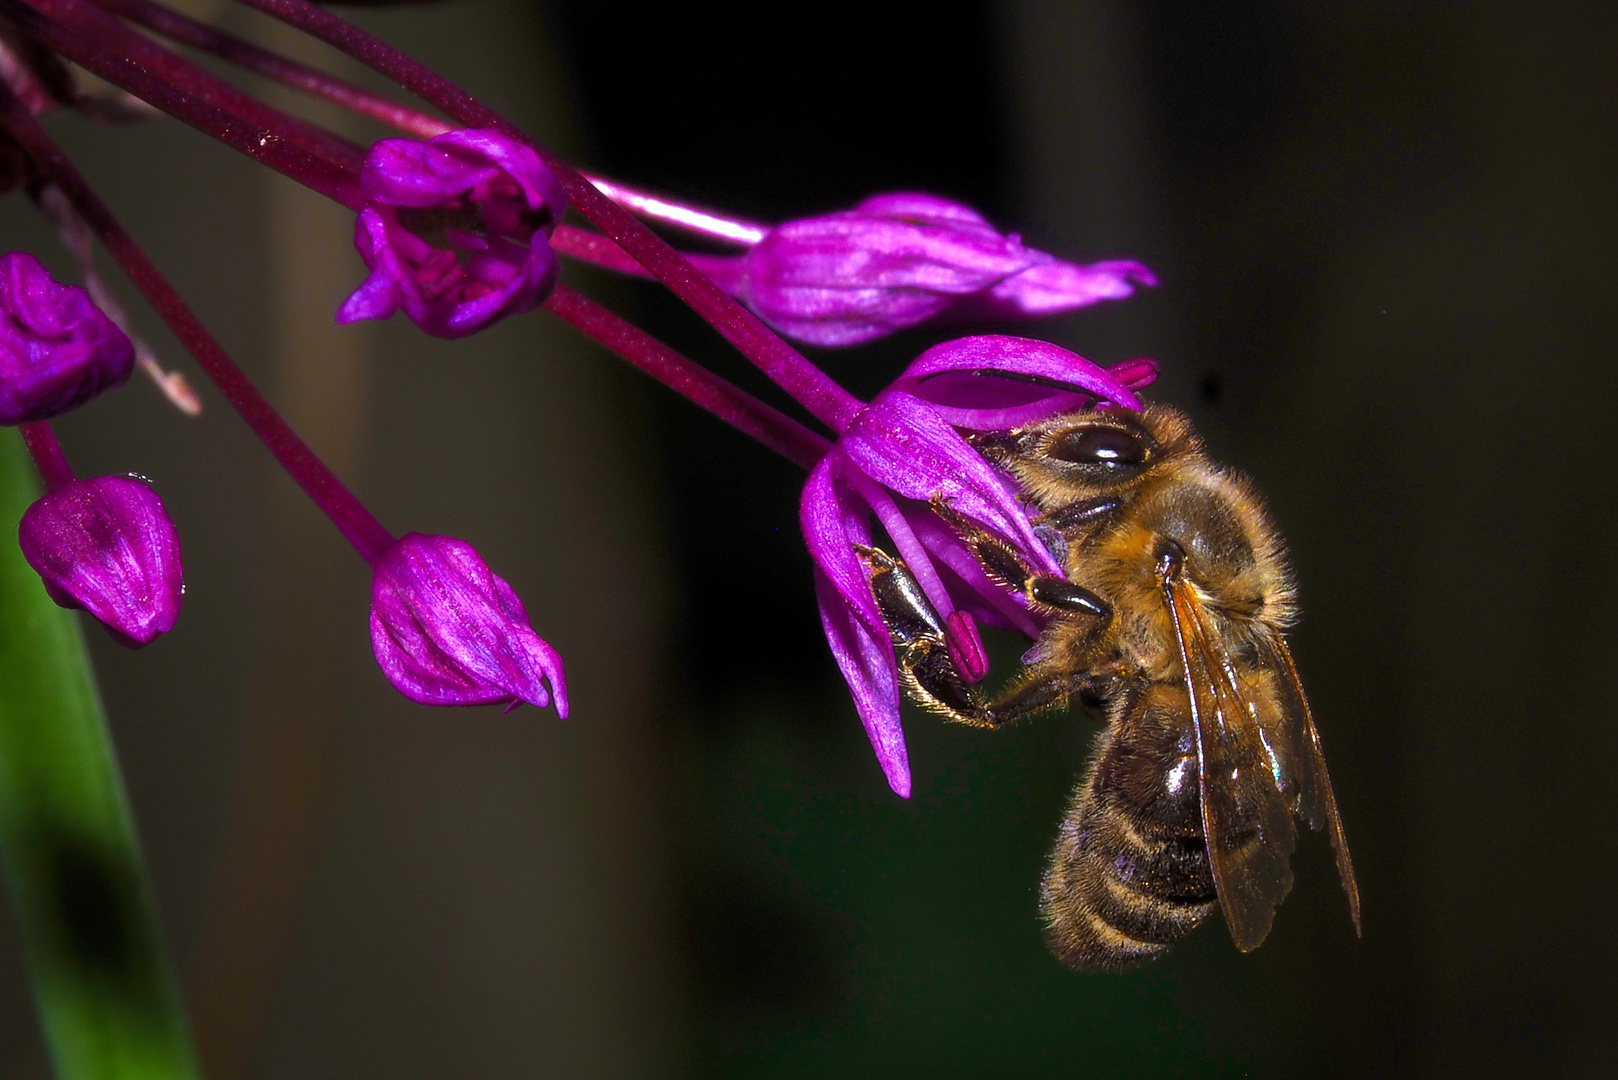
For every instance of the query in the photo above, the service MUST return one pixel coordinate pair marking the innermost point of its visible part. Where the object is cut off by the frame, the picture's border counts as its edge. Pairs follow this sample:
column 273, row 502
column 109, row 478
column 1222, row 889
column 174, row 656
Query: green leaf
column 72, row 864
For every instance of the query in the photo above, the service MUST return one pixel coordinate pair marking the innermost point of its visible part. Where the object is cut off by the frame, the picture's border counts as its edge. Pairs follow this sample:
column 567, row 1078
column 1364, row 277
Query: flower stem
column 807, row 384
column 199, row 35
column 352, row 519
column 137, row 65
column 595, row 249
column 736, row 407
column 54, row 471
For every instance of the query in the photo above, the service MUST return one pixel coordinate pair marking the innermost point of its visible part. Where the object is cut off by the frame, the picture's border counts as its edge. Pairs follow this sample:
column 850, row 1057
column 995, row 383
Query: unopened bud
column 448, row 631
column 107, row 545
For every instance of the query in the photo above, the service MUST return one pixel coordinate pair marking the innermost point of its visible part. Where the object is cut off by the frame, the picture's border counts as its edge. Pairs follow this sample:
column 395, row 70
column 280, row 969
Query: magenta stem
column 785, row 365
column 199, row 35
column 696, row 383
column 352, row 519
column 693, row 219
column 47, row 454
column 595, row 249
column 269, row 137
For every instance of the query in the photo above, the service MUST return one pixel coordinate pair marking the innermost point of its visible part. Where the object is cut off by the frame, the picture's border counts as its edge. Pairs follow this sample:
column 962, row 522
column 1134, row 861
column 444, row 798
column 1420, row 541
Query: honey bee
column 1169, row 624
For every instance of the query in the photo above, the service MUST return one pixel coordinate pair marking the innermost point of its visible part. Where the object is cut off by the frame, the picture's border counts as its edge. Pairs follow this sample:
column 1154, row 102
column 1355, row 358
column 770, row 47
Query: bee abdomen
column 1120, row 891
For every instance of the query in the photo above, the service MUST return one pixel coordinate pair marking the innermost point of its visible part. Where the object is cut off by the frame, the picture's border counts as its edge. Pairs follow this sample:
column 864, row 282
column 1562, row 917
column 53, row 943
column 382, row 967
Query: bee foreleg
column 1002, row 563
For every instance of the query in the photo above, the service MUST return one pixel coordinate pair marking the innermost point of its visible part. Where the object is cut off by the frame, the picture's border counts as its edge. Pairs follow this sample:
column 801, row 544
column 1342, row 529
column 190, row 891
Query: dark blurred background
column 1386, row 235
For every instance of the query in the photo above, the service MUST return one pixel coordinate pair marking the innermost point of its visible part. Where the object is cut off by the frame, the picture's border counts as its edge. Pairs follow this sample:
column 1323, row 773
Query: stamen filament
column 905, row 541
column 807, row 384
column 353, row 520
column 691, row 380
column 54, row 471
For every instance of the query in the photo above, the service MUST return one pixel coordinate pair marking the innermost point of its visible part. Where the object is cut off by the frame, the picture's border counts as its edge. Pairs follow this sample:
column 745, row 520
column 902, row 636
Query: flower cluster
column 459, row 226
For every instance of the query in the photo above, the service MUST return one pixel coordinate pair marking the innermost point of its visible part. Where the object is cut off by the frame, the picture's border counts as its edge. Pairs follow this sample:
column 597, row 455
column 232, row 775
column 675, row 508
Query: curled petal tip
column 57, row 349
column 108, row 546
column 448, row 631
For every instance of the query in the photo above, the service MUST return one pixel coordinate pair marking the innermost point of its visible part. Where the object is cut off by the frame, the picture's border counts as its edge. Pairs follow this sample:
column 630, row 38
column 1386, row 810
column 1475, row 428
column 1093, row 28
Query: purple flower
column 900, row 454
column 898, row 260
column 448, row 631
column 107, row 545
column 456, row 231
column 57, row 350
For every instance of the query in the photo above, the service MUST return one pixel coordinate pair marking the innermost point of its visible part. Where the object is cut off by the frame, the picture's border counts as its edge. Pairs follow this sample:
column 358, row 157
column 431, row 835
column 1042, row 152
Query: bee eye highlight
column 1110, row 448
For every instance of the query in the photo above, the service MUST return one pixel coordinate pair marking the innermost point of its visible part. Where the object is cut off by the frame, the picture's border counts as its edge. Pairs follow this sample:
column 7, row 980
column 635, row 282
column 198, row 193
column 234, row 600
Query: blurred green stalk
column 72, row 864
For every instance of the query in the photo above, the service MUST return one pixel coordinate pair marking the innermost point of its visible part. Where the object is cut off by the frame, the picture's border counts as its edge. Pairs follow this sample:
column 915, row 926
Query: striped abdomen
column 1130, row 873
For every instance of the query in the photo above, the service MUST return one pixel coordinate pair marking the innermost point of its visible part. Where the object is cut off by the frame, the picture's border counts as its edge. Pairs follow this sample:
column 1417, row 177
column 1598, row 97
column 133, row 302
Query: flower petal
column 867, row 664
column 409, row 172
column 539, row 185
column 978, row 382
column 903, row 444
column 1056, row 286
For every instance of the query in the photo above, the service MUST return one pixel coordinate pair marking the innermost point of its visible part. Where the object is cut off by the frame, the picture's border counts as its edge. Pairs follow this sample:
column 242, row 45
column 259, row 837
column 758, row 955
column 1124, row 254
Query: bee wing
column 1316, row 802
column 1246, row 820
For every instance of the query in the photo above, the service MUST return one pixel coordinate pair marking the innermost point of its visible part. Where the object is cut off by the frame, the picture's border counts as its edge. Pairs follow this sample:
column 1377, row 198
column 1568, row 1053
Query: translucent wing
column 1300, row 742
column 1246, row 819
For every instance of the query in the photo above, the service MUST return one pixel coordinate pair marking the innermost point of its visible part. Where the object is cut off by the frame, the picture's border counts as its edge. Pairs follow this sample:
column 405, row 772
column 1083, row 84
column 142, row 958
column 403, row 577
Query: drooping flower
column 57, row 349
column 455, row 231
column 108, row 546
column 902, row 453
column 448, row 631
column 900, row 259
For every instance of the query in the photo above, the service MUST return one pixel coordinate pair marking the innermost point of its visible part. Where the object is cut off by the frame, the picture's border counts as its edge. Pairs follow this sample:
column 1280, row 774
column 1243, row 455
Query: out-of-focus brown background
column 1385, row 233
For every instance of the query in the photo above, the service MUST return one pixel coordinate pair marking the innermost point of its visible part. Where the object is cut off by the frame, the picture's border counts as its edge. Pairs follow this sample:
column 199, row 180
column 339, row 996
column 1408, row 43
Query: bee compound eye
column 1113, row 449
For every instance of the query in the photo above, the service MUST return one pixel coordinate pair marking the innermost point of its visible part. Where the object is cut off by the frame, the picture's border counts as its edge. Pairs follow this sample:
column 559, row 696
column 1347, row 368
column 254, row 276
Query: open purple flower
column 455, row 231
column 448, row 631
column 57, row 349
column 107, row 545
column 902, row 453
column 897, row 260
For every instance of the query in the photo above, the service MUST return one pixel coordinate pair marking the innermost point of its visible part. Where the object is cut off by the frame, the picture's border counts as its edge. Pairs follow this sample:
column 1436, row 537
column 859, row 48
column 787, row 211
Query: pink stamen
column 965, row 646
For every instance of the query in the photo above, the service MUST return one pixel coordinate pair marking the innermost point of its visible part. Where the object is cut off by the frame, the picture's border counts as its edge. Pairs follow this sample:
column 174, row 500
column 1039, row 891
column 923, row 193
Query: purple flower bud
column 455, row 231
column 107, row 545
column 57, row 350
column 898, row 260
column 448, row 631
